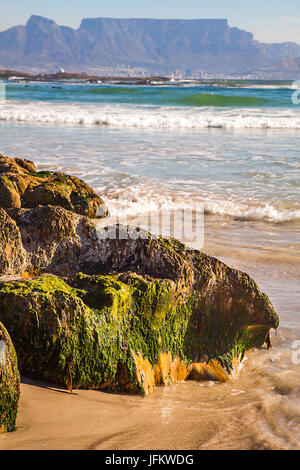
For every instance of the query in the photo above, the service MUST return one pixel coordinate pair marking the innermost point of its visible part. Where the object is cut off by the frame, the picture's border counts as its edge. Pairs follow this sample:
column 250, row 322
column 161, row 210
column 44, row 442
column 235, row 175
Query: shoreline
column 74, row 77
column 66, row 77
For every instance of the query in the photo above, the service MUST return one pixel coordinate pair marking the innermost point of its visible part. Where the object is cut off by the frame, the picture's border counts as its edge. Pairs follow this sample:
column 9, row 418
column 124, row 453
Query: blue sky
column 269, row 20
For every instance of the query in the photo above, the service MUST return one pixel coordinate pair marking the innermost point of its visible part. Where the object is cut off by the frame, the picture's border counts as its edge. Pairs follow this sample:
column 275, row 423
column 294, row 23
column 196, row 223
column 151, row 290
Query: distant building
column 16, row 78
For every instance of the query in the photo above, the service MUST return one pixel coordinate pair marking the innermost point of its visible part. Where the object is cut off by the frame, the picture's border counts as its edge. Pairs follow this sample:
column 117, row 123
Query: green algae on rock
column 21, row 185
column 90, row 330
column 120, row 331
column 9, row 383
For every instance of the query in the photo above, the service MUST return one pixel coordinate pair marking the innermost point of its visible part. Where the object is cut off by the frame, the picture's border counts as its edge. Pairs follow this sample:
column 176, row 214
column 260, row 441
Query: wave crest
column 155, row 117
column 141, row 200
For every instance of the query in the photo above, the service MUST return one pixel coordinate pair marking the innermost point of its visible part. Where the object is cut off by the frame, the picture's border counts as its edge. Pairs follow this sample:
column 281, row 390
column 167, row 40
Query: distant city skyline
column 272, row 21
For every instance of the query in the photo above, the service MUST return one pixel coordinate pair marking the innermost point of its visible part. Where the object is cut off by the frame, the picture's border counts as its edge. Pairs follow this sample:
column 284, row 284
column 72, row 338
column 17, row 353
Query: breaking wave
column 155, row 117
column 141, row 199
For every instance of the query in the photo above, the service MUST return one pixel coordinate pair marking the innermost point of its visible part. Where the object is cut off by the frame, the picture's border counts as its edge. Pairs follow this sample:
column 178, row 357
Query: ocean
column 233, row 148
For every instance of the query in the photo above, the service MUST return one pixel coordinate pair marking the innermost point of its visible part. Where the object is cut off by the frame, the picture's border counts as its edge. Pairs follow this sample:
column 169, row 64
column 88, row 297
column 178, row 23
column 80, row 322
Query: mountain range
column 152, row 45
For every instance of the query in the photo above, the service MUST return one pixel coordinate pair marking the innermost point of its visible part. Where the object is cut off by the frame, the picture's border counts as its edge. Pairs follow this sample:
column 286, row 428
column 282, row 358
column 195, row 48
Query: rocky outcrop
column 114, row 307
column 9, row 383
column 126, row 332
column 21, row 185
column 151, row 313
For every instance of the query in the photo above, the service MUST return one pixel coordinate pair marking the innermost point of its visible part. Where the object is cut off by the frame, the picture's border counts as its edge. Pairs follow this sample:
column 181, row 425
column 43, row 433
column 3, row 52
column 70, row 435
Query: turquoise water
column 234, row 146
column 271, row 95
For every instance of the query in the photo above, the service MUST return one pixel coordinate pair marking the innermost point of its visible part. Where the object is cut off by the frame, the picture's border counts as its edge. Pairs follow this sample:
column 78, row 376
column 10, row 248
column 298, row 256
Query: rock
column 12, row 253
column 21, row 185
column 25, row 164
column 91, row 331
column 130, row 333
column 56, row 240
column 15, row 165
column 9, row 383
column 144, row 311
column 9, row 194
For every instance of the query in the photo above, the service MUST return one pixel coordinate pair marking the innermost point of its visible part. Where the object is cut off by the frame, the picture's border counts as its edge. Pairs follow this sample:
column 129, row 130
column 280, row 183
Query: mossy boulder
column 21, row 185
column 144, row 311
column 123, row 331
column 9, row 383
column 84, row 332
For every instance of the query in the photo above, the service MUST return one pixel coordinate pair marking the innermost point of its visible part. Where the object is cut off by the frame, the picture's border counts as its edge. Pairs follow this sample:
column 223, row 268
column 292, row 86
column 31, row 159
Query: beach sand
column 182, row 416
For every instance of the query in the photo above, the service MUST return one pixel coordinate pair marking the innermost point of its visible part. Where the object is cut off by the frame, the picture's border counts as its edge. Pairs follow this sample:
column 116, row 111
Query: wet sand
column 257, row 411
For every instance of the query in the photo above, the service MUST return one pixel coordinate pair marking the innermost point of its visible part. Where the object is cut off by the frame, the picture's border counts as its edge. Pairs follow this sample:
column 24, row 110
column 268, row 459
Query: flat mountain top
column 156, row 46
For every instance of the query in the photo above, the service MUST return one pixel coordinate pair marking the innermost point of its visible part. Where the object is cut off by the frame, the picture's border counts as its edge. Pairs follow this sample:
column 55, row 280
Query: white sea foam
column 269, row 87
column 141, row 200
column 157, row 117
column 252, row 212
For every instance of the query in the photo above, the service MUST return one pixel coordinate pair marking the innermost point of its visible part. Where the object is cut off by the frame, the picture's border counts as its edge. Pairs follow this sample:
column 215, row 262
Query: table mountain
column 157, row 46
